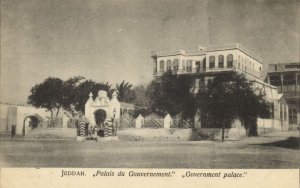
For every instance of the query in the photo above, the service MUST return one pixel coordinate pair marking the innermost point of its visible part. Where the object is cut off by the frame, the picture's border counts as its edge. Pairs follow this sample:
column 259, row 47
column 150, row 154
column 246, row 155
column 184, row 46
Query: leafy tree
column 54, row 94
column 250, row 104
column 230, row 96
column 72, row 94
column 48, row 94
column 83, row 90
column 172, row 94
column 125, row 93
column 141, row 97
column 69, row 92
column 216, row 102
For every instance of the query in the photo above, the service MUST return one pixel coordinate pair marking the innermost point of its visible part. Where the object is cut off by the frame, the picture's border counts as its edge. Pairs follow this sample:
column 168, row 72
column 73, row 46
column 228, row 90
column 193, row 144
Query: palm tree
column 125, row 93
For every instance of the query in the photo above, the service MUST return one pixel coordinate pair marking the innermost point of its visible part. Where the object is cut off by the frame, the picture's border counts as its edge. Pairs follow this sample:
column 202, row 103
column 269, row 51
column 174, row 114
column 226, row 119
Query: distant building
column 286, row 76
column 20, row 115
column 203, row 64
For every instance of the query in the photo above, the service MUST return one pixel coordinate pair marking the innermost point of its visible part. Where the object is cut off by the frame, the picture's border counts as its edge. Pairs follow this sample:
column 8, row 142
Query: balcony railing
column 291, row 94
column 190, row 70
column 194, row 71
column 289, row 67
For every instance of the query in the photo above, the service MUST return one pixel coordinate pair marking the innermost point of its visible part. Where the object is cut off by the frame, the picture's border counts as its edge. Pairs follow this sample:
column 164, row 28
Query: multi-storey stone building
column 286, row 76
column 204, row 64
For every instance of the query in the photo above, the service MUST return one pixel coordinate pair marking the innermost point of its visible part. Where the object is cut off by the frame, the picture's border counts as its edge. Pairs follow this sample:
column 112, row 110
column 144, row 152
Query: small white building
column 20, row 115
column 102, row 102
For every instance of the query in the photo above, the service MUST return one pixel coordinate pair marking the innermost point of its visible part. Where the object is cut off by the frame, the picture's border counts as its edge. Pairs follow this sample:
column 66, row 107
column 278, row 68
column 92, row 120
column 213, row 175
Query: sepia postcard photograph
column 150, row 84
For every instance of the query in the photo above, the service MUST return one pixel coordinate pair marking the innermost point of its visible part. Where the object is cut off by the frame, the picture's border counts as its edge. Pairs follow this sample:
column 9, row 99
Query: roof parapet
column 202, row 50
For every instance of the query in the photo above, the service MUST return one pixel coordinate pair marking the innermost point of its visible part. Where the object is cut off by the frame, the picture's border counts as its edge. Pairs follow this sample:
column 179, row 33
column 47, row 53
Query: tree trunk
column 223, row 131
column 247, row 131
column 57, row 112
column 253, row 127
column 247, row 127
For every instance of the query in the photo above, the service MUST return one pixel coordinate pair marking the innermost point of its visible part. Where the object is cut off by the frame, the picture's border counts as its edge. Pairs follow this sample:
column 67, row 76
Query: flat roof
column 293, row 63
column 203, row 51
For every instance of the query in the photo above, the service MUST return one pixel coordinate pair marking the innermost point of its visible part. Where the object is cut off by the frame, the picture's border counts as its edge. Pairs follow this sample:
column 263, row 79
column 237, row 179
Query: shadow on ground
column 290, row 143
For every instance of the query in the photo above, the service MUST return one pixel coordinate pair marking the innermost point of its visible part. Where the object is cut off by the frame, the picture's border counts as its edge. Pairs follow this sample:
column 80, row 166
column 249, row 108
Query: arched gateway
column 104, row 104
column 31, row 122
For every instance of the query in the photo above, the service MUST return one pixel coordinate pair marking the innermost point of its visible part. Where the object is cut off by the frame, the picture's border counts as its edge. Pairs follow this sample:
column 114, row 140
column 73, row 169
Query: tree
column 48, row 94
column 172, row 94
column 54, row 94
column 215, row 102
column 230, row 96
column 250, row 104
column 69, row 92
column 125, row 93
column 141, row 97
column 83, row 90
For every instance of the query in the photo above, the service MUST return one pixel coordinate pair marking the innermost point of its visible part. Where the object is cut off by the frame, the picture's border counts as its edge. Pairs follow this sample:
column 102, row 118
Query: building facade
column 20, row 116
column 286, row 76
column 208, row 60
column 204, row 64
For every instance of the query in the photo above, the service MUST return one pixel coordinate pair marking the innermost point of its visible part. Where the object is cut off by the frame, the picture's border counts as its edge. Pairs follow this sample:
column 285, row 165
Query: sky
column 111, row 40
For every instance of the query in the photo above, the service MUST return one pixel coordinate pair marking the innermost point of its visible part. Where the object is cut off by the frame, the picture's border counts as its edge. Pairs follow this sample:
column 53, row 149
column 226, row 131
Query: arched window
column 169, row 65
column 229, row 60
column 162, row 65
column 175, row 64
column 211, row 61
column 183, row 65
column 189, row 65
column 221, row 61
column 197, row 66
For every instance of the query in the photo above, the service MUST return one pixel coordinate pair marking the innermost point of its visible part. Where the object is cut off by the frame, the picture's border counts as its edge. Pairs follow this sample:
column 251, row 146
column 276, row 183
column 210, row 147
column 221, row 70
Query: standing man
column 13, row 131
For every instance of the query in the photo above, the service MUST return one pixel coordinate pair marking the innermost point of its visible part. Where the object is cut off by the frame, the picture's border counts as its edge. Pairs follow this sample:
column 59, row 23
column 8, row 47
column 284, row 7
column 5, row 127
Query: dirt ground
column 275, row 150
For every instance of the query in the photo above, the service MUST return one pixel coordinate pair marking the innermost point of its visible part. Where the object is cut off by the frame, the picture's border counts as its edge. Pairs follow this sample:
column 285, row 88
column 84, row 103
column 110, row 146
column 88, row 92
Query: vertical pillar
column 268, row 79
column 281, row 86
column 197, row 120
column 296, row 82
column 65, row 121
column 298, row 116
column 179, row 64
column 156, row 68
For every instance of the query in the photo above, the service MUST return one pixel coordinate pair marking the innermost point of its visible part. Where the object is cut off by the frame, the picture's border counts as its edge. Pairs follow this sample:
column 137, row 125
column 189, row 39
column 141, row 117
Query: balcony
column 284, row 67
column 195, row 71
column 205, row 70
column 292, row 94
